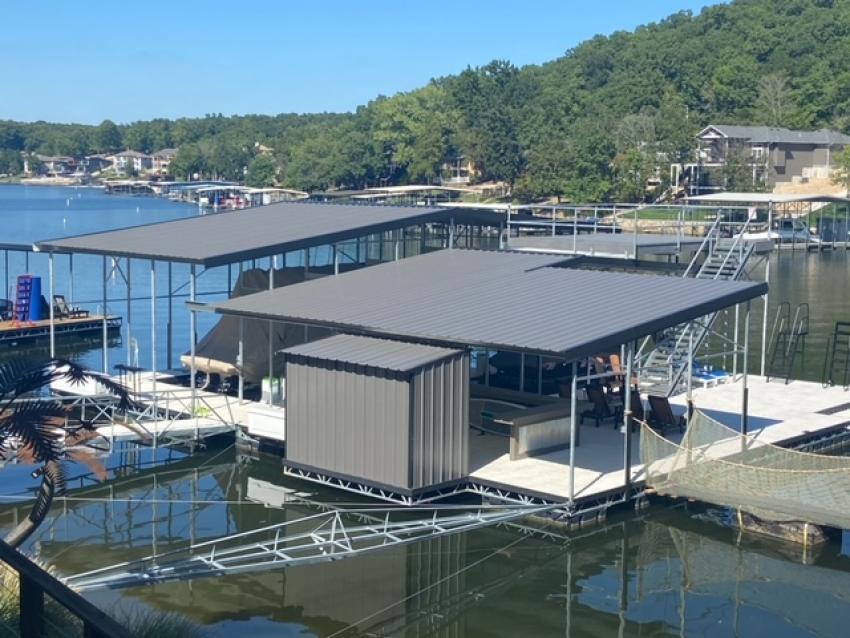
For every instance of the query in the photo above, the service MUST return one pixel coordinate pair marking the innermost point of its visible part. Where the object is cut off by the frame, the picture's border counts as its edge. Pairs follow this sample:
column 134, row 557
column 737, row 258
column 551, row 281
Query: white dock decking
column 778, row 413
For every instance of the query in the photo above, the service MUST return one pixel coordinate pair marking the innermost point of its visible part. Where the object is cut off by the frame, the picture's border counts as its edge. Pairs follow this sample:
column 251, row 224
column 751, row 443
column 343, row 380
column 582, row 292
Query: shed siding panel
column 350, row 424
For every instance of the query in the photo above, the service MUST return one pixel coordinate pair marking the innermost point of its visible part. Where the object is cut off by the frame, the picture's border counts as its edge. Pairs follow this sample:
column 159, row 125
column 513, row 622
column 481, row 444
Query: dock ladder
column 787, row 340
column 836, row 365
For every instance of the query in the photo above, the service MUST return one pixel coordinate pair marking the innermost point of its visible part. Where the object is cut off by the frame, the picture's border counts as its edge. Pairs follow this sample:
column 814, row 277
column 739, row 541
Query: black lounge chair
column 662, row 417
column 64, row 311
column 601, row 410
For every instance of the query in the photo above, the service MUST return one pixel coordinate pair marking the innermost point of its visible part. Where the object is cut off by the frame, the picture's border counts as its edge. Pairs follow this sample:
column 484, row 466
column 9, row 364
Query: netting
column 716, row 464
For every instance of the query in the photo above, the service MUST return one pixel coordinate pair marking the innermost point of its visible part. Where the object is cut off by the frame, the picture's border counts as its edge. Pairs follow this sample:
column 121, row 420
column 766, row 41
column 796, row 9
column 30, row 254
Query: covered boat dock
column 533, row 305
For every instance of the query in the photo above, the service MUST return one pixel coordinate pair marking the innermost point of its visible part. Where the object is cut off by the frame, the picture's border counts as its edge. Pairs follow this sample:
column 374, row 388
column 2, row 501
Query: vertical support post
column 690, row 372
column 50, row 276
column 396, row 245
column 745, row 370
column 574, row 425
column 153, row 353
column 336, row 259
column 169, row 333
column 272, row 266
column 104, row 326
column 766, row 298
column 70, row 278
column 735, row 340
column 627, row 416
column 129, row 322
column 240, row 358
column 422, row 243
column 193, row 328
column 451, row 238
column 6, row 274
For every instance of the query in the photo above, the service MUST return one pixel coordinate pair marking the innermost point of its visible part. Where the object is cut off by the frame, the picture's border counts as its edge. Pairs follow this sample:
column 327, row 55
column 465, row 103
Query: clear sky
column 70, row 61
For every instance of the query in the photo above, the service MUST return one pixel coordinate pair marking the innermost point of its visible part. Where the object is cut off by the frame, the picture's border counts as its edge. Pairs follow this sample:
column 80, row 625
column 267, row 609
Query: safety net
column 716, row 464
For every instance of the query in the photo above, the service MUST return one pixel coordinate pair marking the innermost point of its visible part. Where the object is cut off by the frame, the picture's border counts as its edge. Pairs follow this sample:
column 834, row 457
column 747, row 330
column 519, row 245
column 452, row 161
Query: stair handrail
column 705, row 240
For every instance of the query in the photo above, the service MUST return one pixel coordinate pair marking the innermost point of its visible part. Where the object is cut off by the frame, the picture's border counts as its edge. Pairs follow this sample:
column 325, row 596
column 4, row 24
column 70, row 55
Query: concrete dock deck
column 778, row 413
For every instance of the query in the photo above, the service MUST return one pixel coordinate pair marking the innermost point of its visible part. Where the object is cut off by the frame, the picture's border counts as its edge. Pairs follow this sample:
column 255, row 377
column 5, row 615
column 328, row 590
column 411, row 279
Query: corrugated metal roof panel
column 228, row 237
column 500, row 300
column 369, row 351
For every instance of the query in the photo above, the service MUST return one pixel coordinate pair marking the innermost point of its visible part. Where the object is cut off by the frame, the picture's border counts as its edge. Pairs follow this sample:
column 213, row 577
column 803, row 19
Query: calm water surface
column 667, row 572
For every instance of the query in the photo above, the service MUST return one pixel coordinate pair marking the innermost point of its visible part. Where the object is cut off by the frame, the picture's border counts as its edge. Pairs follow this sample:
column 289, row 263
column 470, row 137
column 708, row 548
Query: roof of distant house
column 777, row 135
column 164, row 152
column 131, row 154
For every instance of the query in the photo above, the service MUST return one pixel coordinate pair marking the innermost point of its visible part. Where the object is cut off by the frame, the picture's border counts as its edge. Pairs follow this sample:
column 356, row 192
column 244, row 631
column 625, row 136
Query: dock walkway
column 781, row 414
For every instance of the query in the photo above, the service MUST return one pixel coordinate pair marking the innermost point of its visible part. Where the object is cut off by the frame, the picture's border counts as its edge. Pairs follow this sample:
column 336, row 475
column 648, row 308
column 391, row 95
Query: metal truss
column 322, row 537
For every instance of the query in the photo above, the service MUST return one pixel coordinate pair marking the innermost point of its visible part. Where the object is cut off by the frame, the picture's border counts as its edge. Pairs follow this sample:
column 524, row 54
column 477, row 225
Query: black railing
column 37, row 586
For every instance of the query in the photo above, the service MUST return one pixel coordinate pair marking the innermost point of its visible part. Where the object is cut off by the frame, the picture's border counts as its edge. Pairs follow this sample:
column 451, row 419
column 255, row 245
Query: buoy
column 68, row 202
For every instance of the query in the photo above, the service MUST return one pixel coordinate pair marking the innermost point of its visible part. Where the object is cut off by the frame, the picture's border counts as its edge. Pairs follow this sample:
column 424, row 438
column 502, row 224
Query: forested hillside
column 587, row 126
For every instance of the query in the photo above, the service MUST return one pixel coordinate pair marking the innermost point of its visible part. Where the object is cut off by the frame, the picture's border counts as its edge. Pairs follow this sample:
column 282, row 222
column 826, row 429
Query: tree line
column 592, row 125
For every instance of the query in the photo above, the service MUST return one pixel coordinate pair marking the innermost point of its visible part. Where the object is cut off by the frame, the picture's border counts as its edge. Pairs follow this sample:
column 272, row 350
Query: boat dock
column 15, row 333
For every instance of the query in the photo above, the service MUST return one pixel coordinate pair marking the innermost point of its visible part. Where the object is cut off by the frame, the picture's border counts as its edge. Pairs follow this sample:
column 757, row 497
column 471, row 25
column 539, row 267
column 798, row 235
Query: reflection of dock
column 13, row 333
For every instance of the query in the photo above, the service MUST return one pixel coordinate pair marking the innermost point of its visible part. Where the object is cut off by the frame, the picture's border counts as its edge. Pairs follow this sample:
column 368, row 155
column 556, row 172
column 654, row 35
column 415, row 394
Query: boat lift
column 322, row 537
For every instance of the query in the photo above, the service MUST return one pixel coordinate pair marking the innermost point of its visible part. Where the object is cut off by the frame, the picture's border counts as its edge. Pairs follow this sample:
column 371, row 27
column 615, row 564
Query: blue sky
column 86, row 61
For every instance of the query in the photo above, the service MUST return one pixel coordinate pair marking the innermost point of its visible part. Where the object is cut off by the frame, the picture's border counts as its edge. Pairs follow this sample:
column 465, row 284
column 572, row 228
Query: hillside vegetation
column 586, row 126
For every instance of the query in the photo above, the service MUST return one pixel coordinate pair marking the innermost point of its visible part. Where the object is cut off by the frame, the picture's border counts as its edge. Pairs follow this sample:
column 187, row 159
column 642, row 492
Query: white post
column 336, row 259
column 766, row 297
column 690, row 372
column 745, row 369
column 241, row 358
column 50, row 305
column 574, row 425
column 193, row 328
column 71, row 277
column 153, row 353
column 627, row 416
column 105, row 327
column 129, row 323
column 272, row 266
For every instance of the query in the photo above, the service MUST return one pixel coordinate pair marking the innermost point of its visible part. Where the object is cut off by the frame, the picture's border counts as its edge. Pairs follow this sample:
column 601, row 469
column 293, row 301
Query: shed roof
column 228, row 237
column 495, row 300
column 398, row 356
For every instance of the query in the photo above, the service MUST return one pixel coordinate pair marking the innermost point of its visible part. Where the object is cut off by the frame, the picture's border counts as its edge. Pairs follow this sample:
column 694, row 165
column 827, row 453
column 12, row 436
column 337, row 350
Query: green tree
column 775, row 102
column 841, row 169
column 261, row 172
column 108, row 138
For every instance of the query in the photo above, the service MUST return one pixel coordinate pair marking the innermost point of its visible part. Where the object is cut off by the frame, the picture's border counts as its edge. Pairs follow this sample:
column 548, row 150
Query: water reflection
column 663, row 574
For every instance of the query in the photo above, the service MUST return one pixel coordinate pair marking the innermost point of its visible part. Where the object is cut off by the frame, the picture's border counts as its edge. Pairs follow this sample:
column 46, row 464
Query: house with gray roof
column 770, row 155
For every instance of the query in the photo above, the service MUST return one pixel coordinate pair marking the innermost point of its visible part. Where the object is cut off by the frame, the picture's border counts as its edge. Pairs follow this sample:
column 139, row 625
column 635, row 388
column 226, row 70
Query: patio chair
column 601, row 410
column 662, row 417
column 64, row 311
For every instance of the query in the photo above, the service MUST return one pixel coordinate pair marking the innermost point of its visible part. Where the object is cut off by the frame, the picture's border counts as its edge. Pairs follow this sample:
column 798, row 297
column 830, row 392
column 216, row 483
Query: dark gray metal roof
column 779, row 135
column 228, row 237
column 620, row 245
column 385, row 354
column 497, row 300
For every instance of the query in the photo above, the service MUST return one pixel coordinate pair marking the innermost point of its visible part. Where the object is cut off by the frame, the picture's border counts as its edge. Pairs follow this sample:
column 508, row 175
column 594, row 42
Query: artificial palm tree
column 39, row 429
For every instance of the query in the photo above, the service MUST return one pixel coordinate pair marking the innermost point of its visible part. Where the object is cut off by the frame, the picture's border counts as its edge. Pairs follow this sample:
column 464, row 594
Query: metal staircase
column 663, row 368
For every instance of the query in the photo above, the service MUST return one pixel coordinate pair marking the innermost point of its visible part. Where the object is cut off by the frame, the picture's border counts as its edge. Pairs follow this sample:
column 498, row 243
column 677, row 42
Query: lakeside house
column 161, row 160
column 773, row 156
column 132, row 161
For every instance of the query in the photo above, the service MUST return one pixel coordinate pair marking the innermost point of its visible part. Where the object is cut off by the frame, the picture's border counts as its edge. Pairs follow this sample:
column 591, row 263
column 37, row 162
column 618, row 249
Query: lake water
column 666, row 572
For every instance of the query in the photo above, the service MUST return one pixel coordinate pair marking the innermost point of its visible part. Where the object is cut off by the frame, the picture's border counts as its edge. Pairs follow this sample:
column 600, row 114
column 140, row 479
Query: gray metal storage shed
column 388, row 414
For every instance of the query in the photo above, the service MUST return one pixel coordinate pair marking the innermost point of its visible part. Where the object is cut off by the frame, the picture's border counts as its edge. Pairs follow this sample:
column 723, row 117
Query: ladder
column 836, row 365
column 663, row 368
column 787, row 339
column 23, row 298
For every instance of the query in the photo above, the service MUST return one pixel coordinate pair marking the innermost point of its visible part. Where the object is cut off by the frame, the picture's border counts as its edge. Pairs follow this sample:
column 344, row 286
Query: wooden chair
column 601, row 409
column 64, row 311
column 661, row 415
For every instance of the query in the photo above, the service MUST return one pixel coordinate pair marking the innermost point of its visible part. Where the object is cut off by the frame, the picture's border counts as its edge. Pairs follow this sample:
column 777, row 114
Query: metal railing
column 37, row 587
